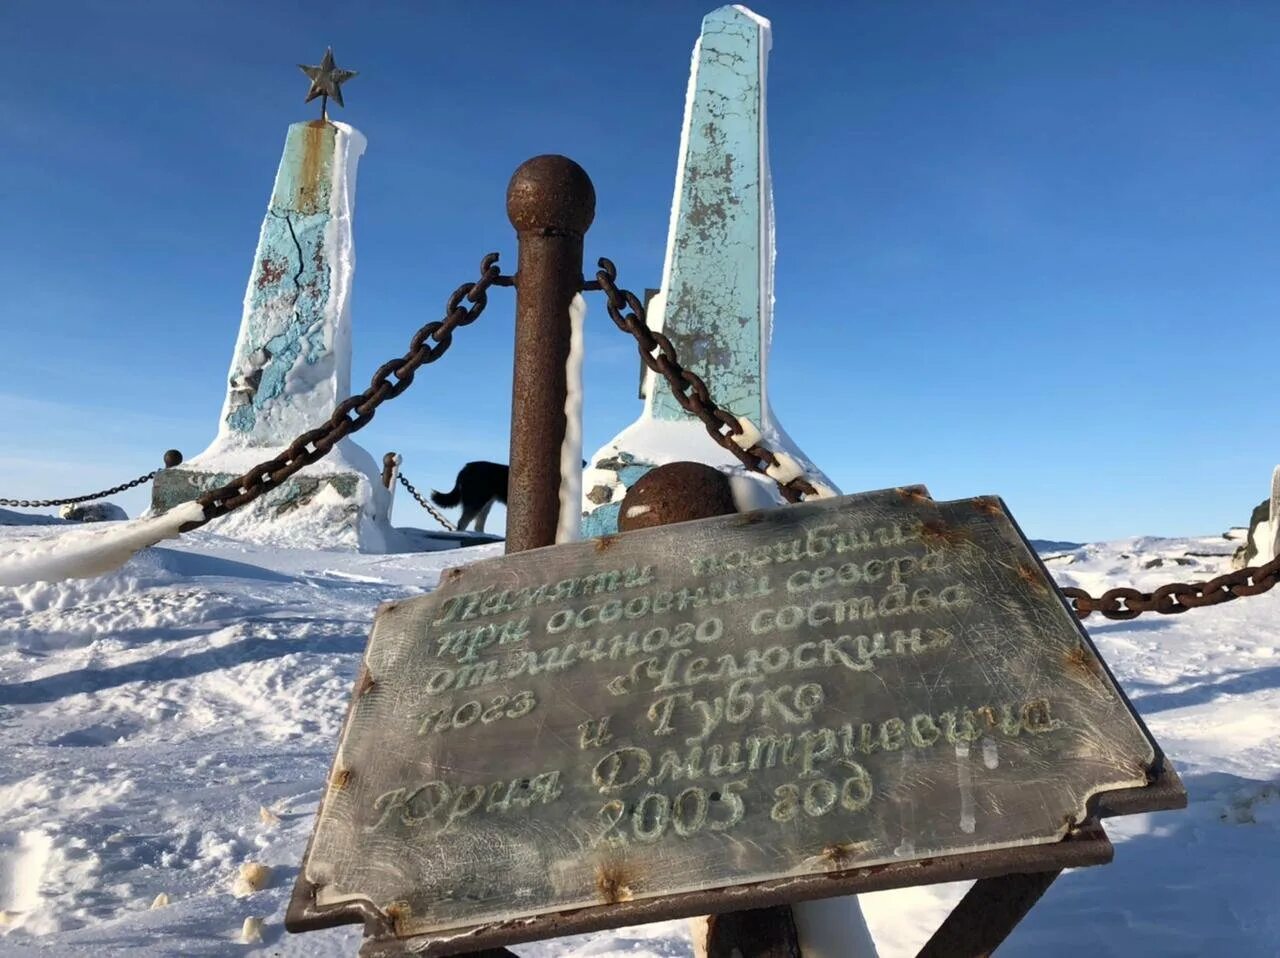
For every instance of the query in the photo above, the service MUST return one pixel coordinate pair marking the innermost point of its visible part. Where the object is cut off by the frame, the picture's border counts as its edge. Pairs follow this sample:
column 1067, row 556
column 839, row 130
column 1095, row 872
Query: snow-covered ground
column 165, row 724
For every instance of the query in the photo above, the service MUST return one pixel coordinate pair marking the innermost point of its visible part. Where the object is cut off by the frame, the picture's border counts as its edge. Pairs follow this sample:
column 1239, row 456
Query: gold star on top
column 326, row 82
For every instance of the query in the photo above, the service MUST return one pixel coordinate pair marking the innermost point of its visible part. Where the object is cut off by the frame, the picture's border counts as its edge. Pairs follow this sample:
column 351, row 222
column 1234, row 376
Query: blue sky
column 1025, row 248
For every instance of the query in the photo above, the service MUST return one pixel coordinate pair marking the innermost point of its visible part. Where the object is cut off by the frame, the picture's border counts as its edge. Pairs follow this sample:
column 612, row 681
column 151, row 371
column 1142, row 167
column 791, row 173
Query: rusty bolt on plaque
column 676, row 492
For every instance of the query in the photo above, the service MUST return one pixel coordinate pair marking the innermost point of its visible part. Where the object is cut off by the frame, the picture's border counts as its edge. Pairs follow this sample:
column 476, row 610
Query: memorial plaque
column 775, row 697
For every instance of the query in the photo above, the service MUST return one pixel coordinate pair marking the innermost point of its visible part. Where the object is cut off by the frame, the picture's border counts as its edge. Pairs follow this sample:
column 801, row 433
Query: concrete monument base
column 333, row 504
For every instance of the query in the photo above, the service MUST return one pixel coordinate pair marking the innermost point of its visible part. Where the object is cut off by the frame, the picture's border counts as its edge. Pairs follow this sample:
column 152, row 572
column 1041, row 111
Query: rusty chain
column 391, row 379
column 92, row 497
column 1126, row 603
column 628, row 314
column 422, row 501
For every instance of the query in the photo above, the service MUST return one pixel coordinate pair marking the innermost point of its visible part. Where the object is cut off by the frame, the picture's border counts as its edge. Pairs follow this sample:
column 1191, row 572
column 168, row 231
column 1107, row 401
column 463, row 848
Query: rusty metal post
column 551, row 203
column 390, row 466
column 682, row 492
column 753, row 933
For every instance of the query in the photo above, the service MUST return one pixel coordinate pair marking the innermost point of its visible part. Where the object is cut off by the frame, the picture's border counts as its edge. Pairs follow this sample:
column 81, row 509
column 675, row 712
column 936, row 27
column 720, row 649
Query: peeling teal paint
column 602, row 522
column 717, row 283
column 175, row 486
column 290, row 282
column 714, row 314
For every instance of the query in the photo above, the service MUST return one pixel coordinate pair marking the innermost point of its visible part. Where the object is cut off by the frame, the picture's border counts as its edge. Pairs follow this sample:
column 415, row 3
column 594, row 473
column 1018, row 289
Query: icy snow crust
column 149, row 715
column 569, row 525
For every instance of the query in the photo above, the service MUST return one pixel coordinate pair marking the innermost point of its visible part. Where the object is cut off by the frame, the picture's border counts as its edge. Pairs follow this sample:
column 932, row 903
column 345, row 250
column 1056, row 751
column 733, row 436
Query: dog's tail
column 448, row 499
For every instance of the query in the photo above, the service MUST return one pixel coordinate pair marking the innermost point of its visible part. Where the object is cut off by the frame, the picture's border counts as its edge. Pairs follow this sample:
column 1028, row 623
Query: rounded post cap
column 676, row 492
column 551, row 194
column 172, row 458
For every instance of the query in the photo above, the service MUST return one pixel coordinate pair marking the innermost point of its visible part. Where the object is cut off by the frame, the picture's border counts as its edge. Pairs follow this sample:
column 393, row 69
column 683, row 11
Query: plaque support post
column 682, row 492
column 551, row 203
column 986, row 915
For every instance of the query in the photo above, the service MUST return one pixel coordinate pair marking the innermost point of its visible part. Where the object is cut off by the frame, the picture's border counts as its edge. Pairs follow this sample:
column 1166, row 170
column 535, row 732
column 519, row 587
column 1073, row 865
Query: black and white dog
column 478, row 486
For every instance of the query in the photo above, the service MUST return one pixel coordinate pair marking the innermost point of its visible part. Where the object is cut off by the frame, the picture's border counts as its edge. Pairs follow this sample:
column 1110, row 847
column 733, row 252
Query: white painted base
column 829, row 928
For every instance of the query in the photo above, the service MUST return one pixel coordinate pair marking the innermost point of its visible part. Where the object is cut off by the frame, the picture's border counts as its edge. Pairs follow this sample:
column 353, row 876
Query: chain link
column 1176, row 597
column 656, row 350
column 628, row 314
column 354, row 413
column 46, row 503
column 422, row 501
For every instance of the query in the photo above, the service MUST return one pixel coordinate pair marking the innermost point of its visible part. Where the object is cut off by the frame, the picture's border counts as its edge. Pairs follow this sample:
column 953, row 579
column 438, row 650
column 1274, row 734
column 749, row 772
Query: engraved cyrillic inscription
column 438, row 804
column 715, row 703
column 449, row 716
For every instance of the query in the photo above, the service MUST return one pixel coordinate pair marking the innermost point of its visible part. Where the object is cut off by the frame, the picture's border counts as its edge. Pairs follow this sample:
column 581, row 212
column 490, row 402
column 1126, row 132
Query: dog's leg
column 467, row 515
column 484, row 514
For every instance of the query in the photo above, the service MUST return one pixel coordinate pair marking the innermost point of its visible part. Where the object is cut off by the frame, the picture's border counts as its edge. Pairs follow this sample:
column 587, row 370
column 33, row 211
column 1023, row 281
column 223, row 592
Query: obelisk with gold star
column 292, row 360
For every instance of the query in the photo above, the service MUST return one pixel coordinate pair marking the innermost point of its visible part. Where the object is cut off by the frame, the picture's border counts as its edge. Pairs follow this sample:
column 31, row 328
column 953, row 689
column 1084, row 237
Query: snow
column 82, row 553
column 569, row 525
column 660, row 441
column 149, row 716
column 326, row 519
column 340, row 248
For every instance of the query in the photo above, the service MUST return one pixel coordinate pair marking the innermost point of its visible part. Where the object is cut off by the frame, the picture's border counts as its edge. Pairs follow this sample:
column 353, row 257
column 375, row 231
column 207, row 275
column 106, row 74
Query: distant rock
column 93, row 512
column 1257, row 546
column 10, row 518
column 1054, row 545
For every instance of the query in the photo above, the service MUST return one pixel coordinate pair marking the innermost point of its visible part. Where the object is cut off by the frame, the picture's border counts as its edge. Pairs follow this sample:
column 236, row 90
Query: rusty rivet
column 454, row 573
column 841, row 854
column 1080, row 659
column 341, row 778
column 1031, row 576
column 988, row 505
column 913, row 494
column 399, row 912
column 936, row 530
column 366, row 683
column 611, row 883
column 604, row 543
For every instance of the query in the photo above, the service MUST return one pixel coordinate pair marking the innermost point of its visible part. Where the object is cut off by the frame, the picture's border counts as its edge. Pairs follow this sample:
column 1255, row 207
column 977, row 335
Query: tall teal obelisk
column 716, row 299
column 292, row 359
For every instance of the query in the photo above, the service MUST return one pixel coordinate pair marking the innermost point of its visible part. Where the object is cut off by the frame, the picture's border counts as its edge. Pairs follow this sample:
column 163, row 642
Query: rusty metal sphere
column 676, row 492
column 172, row 458
column 551, row 193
